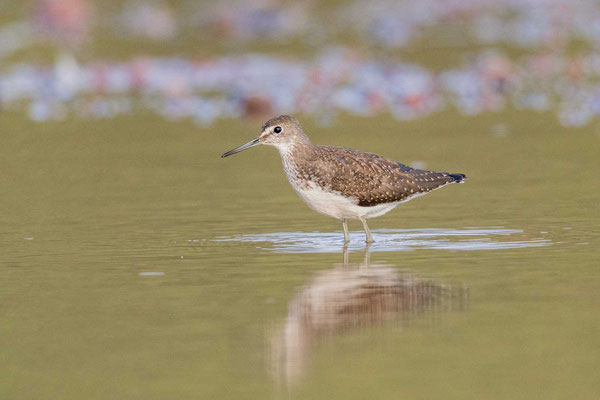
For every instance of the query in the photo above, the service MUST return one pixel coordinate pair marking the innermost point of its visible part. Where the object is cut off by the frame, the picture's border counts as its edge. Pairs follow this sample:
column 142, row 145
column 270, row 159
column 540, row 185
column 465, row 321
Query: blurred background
column 135, row 263
column 221, row 60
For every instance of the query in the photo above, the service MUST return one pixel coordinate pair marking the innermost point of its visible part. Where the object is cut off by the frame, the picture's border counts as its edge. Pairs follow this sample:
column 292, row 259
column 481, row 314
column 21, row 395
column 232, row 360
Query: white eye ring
column 277, row 129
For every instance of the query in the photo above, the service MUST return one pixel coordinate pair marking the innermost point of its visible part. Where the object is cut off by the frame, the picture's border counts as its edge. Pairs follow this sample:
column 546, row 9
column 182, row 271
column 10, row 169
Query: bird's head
column 282, row 132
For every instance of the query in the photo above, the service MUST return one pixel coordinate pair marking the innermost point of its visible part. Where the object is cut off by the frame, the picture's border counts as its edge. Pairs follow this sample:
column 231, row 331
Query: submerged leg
column 367, row 259
column 367, row 231
column 346, row 235
column 346, row 253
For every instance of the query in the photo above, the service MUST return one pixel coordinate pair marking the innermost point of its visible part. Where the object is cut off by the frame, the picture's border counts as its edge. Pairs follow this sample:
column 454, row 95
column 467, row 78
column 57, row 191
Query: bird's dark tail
column 458, row 178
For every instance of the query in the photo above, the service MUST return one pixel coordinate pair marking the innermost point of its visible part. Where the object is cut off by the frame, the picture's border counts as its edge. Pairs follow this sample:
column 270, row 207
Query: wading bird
column 344, row 183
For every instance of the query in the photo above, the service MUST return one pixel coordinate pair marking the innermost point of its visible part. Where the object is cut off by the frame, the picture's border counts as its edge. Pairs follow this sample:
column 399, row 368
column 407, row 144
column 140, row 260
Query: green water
column 137, row 264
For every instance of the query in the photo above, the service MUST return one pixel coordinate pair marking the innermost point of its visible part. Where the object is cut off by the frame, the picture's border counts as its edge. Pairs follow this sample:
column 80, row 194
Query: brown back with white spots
column 368, row 177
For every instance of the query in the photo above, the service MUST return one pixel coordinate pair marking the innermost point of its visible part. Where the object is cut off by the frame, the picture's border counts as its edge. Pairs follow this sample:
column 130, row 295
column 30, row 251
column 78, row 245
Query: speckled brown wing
column 373, row 179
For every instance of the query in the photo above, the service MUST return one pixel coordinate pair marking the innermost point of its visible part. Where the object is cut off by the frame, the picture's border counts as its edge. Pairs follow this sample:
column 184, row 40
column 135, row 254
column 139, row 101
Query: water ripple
column 467, row 239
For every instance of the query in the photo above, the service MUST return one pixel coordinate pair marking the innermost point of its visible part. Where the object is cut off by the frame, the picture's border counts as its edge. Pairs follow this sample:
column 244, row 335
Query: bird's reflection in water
column 349, row 297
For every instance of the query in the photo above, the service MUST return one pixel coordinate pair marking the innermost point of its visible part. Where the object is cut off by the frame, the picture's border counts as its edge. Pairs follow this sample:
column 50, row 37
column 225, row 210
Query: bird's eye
column 277, row 129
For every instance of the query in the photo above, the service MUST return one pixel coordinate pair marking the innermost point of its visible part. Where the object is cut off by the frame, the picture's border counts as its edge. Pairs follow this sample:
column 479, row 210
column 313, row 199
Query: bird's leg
column 367, row 259
column 346, row 235
column 346, row 254
column 367, row 231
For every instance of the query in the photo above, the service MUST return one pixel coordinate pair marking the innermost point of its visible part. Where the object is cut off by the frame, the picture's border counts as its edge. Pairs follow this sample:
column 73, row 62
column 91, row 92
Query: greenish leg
column 367, row 231
column 346, row 253
column 367, row 259
column 346, row 235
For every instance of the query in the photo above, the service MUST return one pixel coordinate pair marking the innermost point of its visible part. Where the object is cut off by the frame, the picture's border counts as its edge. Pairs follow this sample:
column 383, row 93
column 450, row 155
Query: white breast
column 337, row 206
column 328, row 202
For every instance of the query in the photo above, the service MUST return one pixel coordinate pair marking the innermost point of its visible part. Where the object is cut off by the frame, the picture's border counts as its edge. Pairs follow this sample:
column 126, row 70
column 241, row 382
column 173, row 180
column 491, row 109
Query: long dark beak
column 252, row 143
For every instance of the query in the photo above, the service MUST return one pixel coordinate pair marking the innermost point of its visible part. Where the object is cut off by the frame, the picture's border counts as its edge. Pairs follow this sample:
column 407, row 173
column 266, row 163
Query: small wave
column 468, row 239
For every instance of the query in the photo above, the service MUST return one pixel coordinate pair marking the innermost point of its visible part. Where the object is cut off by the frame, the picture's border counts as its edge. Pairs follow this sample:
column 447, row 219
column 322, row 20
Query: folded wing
column 372, row 179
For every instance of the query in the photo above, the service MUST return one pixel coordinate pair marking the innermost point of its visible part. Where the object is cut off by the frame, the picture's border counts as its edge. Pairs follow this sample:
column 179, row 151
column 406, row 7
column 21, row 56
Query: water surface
column 135, row 263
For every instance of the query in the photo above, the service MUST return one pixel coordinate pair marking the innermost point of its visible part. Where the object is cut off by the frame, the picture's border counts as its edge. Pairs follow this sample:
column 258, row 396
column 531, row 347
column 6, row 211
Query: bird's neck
column 301, row 147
